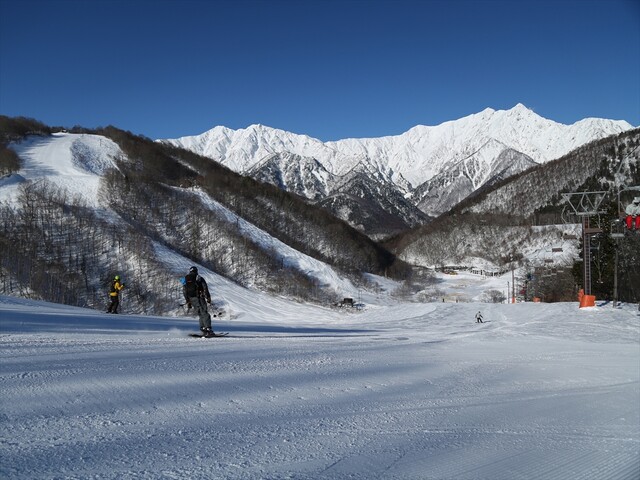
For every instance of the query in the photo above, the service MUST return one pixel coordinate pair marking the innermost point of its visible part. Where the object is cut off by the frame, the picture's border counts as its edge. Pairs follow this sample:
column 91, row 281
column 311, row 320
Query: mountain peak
column 520, row 111
column 417, row 155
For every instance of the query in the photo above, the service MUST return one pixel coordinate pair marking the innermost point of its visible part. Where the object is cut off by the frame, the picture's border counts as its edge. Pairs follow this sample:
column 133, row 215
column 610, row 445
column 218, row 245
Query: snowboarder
column 479, row 317
column 114, row 294
column 632, row 219
column 196, row 293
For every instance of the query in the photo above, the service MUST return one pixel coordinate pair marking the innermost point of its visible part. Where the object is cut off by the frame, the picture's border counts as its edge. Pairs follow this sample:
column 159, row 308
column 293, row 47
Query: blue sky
column 330, row 69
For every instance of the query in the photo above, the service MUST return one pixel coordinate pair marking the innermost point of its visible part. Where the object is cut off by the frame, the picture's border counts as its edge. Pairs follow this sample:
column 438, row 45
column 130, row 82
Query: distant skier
column 632, row 219
column 479, row 317
column 196, row 293
column 114, row 294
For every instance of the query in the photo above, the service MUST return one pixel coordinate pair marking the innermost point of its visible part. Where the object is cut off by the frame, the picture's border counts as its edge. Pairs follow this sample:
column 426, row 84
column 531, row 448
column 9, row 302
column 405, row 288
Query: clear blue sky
column 330, row 69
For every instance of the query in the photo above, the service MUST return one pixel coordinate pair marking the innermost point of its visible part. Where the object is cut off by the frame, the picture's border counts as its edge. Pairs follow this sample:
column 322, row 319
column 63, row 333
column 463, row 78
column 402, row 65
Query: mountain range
column 78, row 206
column 388, row 184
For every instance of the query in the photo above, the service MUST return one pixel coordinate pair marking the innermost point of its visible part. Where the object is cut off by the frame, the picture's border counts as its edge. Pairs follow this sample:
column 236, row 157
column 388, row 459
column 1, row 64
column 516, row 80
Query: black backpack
column 191, row 285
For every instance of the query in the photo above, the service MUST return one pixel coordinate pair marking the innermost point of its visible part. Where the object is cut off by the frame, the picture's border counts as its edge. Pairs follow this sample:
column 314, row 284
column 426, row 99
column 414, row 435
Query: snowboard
column 214, row 313
column 199, row 335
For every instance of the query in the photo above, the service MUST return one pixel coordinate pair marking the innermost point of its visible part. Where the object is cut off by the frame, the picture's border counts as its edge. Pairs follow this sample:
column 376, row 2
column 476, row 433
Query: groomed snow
column 399, row 391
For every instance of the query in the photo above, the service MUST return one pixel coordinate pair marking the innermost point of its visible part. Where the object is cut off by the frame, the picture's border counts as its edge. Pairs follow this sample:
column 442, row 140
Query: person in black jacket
column 196, row 293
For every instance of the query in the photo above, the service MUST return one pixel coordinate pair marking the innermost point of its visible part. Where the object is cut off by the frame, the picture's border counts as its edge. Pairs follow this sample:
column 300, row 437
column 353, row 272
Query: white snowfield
column 74, row 162
column 404, row 391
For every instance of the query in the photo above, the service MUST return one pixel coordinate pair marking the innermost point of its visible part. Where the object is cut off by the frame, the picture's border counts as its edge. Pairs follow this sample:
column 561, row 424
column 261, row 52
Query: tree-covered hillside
column 499, row 224
column 59, row 248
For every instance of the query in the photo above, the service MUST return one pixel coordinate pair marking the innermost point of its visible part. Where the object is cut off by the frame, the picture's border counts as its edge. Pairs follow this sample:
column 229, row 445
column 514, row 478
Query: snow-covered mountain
column 456, row 157
column 70, row 207
column 396, row 389
column 362, row 196
column 255, row 234
column 491, row 163
column 77, row 162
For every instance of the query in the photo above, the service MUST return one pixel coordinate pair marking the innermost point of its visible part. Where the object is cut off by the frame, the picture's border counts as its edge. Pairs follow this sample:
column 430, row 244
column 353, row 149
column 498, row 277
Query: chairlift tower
column 585, row 205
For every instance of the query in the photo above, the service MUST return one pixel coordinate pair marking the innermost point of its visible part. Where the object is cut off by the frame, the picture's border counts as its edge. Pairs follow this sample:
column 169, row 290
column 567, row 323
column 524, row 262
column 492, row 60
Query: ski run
column 392, row 391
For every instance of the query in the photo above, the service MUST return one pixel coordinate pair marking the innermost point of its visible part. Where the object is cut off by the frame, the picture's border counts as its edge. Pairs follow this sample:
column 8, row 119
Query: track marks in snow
column 407, row 400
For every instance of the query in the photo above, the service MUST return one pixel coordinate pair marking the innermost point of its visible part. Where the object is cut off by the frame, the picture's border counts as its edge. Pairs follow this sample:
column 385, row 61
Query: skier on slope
column 479, row 317
column 196, row 293
column 114, row 294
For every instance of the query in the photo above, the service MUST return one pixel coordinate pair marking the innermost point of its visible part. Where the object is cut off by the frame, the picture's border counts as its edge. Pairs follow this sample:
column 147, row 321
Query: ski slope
column 398, row 391
column 74, row 162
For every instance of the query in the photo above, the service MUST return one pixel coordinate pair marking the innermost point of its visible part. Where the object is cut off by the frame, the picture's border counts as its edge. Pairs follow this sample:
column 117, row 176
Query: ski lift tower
column 585, row 205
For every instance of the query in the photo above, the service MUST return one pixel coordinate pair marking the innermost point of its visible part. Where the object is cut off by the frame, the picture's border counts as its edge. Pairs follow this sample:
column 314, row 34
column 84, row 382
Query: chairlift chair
column 625, row 197
column 617, row 229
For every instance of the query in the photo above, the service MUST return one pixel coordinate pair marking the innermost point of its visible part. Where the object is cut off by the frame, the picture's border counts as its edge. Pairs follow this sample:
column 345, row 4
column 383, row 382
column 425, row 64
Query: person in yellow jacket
column 114, row 294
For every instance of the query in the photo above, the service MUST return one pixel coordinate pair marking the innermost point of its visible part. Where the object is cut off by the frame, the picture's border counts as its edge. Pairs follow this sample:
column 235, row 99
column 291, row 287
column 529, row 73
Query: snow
column 74, row 162
column 395, row 391
column 417, row 155
column 290, row 257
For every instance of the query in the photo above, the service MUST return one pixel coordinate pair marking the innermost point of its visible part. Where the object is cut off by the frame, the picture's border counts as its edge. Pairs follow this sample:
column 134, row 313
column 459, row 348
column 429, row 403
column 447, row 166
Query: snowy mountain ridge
column 416, row 155
column 406, row 162
column 298, row 242
column 423, row 152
